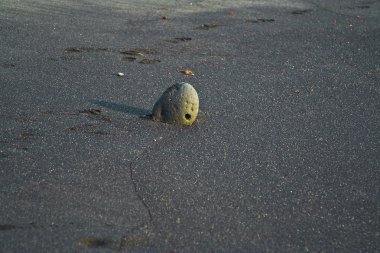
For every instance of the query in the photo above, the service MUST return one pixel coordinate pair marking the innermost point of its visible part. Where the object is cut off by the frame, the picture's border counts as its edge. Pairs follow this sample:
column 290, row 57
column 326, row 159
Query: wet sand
column 284, row 156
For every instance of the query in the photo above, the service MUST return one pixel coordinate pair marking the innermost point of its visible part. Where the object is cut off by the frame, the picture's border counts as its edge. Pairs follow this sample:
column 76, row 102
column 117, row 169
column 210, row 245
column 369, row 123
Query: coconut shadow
column 122, row 108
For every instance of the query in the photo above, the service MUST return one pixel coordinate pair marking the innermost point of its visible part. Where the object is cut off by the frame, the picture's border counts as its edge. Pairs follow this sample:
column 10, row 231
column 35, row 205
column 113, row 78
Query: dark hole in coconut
column 187, row 116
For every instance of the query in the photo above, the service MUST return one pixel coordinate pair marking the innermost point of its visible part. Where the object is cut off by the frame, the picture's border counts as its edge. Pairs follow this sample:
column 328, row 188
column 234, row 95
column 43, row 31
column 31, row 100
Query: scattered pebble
column 120, row 74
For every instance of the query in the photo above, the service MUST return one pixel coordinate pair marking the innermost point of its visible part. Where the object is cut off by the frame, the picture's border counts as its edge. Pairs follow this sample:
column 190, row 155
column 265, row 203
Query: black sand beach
column 284, row 156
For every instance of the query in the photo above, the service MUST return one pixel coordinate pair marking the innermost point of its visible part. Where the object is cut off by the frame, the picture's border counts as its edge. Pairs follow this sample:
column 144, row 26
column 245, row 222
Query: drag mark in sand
column 128, row 58
column 149, row 61
column 363, row 7
column 132, row 54
column 178, row 40
column 262, row 20
column 28, row 226
column 136, row 241
column 93, row 242
column 139, row 52
column 86, row 50
column 207, row 26
column 7, row 227
column 301, row 12
column 8, row 65
column 97, row 119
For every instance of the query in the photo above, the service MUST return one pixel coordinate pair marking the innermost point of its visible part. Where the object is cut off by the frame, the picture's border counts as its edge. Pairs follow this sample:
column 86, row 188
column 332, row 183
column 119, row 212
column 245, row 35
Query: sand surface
column 284, row 156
